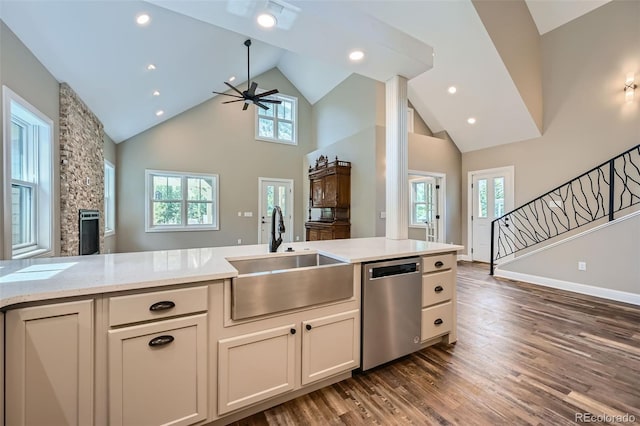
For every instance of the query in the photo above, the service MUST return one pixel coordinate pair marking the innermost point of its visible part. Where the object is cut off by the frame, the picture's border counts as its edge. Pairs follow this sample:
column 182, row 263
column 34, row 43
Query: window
column 28, row 178
column 181, row 201
column 278, row 123
column 109, row 199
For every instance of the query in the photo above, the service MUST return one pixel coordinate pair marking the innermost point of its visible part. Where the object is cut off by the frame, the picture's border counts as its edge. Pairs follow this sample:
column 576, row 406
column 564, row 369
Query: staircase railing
column 601, row 192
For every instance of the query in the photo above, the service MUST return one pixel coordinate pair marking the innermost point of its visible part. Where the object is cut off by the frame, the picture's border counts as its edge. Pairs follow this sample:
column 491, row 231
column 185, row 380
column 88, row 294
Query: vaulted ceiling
column 195, row 45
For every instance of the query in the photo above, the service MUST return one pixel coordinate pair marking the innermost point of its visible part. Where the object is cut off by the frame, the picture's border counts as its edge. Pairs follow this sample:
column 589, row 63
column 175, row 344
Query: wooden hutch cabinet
column 329, row 191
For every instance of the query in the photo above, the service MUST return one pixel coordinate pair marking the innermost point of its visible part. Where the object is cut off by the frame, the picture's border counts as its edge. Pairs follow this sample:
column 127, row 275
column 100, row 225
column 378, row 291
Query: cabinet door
column 317, row 190
column 49, row 365
column 326, row 234
column 255, row 366
column 330, row 190
column 330, row 345
column 158, row 373
column 313, row 235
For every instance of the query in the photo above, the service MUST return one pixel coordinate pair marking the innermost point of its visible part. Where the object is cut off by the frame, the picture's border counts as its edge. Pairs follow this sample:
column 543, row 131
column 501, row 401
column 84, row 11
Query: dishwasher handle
column 393, row 270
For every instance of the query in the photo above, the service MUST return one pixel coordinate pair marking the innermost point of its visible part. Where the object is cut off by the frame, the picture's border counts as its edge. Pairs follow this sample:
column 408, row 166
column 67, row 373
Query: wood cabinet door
column 255, row 366
column 158, row 373
column 330, row 190
column 49, row 364
column 313, row 235
column 317, row 192
column 325, row 234
column 330, row 345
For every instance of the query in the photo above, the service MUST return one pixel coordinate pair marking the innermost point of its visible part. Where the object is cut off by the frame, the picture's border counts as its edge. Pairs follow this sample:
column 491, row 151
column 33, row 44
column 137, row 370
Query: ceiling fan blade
column 230, row 102
column 270, row 101
column 263, row 106
column 244, row 108
column 252, row 89
column 226, row 94
column 270, row 92
column 230, row 85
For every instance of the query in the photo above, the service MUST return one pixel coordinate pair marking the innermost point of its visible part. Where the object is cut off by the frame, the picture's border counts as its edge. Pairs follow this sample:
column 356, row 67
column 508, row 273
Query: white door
column 275, row 192
column 492, row 196
column 427, row 204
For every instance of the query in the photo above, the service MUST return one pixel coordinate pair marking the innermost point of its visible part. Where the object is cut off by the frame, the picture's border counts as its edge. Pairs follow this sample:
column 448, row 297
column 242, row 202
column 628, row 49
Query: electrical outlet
column 383, row 215
column 239, row 240
column 239, row 214
column 297, row 237
column 248, row 214
column 582, row 266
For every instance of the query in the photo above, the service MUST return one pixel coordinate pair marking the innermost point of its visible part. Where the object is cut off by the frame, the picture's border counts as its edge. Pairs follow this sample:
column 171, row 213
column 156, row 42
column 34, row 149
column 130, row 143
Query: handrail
column 571, row 205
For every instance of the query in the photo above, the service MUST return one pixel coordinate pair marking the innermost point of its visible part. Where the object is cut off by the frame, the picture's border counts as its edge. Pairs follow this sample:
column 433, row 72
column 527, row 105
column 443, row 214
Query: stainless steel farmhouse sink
column 278, row 283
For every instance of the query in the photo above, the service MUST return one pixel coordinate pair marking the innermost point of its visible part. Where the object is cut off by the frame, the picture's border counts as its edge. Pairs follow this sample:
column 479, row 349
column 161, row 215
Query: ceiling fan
column 249, row 96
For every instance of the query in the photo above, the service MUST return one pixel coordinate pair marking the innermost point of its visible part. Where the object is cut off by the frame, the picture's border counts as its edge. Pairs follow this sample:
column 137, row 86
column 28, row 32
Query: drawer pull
column 438, row 321
column 161, row 341
column 308, row 327
column 293, row 331
column 439, row 264
column 438, row 289
column 162, row 306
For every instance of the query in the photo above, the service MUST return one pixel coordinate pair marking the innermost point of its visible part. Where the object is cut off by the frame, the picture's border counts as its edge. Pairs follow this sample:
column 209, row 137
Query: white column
column 397, row 144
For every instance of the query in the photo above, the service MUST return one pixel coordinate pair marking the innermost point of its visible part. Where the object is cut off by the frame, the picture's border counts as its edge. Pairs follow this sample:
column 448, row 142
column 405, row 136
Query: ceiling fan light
column 266, row 20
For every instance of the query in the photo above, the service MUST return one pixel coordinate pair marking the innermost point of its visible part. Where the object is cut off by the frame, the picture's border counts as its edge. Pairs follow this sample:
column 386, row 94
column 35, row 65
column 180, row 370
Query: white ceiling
column 98, row 49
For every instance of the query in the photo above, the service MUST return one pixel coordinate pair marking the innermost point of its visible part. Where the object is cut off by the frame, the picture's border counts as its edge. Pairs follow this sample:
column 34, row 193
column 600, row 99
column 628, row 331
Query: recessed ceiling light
column 266, row 20
column 143, row 19
column 233, row 77
column 452, row 90
column 159, row 112
column 156, row 93
column 471, row 120
column 151, row 67
column 356, row 55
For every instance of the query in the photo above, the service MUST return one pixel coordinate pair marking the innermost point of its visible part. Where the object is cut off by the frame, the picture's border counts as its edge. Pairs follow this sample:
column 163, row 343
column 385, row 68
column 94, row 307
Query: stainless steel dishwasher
column 391, row 310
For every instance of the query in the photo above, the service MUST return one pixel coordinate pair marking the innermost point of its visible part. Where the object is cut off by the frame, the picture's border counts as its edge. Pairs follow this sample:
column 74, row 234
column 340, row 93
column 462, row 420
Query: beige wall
column 349, row 108
column 21, row 72
column 515, row 37
column 585, row 117
column 211, row 138
column 611, row 254
column 110, row 242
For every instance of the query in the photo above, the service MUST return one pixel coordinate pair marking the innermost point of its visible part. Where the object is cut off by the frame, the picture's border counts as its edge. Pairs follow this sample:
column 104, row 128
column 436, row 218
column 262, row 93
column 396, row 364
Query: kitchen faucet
column 273, row 243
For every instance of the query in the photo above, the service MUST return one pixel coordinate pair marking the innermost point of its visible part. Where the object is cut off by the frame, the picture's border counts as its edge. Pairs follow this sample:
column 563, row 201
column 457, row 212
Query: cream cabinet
column 157, row 361
column 158, row 373
column 49, row 364
column 2, row 368
column 255, row 366
column 330, row 345
column 439, row 297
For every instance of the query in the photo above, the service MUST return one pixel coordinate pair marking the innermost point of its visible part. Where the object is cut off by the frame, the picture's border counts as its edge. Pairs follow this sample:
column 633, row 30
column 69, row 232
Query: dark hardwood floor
column 525, row 355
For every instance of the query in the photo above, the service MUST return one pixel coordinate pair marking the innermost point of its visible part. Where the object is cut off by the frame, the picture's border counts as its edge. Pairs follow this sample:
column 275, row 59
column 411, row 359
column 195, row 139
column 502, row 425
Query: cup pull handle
column 161, row 341
column 439, row 264
column 438, row 321
column 162, row 306
column 438, row 289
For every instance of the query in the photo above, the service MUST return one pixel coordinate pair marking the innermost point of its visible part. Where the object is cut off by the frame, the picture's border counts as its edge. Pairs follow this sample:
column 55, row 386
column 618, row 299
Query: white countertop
column 51, row 278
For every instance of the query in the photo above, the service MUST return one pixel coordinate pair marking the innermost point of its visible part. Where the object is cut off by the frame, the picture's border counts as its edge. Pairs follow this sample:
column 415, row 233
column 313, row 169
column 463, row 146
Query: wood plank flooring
column 525, row 355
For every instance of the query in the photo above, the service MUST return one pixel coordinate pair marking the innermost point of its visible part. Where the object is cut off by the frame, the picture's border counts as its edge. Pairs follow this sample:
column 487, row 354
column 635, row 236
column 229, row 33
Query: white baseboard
column 464, row 257
column 605, row 293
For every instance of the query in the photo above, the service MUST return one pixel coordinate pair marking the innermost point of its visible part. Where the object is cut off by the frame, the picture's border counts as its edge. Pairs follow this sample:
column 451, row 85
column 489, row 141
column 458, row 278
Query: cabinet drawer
column 437, row 287
column 438, row 263
column 156, row 305
column 437, row 320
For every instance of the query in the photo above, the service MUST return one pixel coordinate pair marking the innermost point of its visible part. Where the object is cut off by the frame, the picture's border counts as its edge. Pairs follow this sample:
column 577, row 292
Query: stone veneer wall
column 81, row 168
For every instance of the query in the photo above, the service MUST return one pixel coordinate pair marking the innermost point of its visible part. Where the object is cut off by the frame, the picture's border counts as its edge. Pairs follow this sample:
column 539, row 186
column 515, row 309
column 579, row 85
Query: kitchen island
column 129, row 325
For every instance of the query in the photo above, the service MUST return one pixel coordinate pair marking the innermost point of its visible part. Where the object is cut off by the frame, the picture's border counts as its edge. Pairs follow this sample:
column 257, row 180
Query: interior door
column 492, row 197
column 275, row 192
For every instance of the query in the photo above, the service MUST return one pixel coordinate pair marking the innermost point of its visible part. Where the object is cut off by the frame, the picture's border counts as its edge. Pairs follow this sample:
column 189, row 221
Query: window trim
column 441, row 179
column 110, row 231
column 148, row 222
column 293, row 121
column 43, row 203
column 412, row 203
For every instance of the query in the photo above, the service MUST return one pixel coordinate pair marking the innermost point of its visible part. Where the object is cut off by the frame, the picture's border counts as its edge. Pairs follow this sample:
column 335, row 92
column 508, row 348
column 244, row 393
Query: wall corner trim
column 605, row 293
